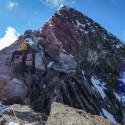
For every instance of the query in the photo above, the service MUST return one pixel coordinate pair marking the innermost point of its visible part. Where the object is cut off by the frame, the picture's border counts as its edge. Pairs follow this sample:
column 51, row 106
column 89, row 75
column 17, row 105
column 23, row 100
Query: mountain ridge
column 98, row 55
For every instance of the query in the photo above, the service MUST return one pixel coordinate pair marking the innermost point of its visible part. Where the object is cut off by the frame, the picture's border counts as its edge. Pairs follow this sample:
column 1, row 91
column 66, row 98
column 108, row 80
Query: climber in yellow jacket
column 23, row 45
column 22, row 50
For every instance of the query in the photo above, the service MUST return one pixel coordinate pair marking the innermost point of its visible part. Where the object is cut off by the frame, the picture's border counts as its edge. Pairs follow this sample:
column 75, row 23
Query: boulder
column 14, row 91
column 66, row 64
column 39, row 65
column 64, row 115
column 20, row 115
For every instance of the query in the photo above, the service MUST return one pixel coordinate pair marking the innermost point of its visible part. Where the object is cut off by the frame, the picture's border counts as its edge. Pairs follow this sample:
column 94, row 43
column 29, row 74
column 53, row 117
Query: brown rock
column 62, row 114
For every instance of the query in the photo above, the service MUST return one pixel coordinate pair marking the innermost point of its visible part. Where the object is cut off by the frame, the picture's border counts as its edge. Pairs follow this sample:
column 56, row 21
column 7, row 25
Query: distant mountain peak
column 61, row 6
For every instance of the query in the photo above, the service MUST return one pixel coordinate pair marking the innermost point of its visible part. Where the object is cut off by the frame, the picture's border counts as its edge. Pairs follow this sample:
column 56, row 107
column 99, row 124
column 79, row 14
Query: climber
column 26, row 46
column 22, row 50
column 121, row 89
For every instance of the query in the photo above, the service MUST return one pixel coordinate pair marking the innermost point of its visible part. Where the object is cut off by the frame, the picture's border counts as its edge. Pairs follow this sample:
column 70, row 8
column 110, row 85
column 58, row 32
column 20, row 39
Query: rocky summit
column 83, row 75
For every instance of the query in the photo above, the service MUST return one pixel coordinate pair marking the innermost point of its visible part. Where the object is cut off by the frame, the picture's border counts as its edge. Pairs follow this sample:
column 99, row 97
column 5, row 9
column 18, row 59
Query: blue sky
column 18, row 15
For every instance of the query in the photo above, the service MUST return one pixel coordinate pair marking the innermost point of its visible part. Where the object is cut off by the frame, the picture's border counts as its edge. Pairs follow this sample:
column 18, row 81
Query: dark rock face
column 98, row 55
column 88, row 42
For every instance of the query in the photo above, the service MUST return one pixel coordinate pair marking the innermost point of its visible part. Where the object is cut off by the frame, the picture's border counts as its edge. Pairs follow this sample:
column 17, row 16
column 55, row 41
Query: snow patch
column 93, row 30
column 64, row 51
column 120, row 97
column 87, row 21
column 49, row 22
column 2, row 107
column 108, row 115
column 116, row 45
column 84, row 26
column 99, row 86
column 71, row 55
column 105, row 37
column 67, row 53
column 50, row 64
column 119, row 45
column 13, row 123
column 92, row 56
column 83, row 74
column 61, row 6
column 86, row 32
column 122, row 79
column 117, row 96
column 80, row 26
column 78, row 23
column 29, row 41
column 88, row 24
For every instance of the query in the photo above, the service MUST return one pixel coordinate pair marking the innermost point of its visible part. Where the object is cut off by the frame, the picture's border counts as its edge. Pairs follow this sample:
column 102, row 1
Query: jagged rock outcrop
column 98, row 55
column 62, row 114
column 20, row 115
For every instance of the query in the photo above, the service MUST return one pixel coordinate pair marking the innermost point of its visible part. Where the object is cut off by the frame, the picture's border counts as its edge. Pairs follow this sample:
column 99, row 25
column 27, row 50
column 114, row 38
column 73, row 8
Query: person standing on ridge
column 26, row 46
column 22, row 50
